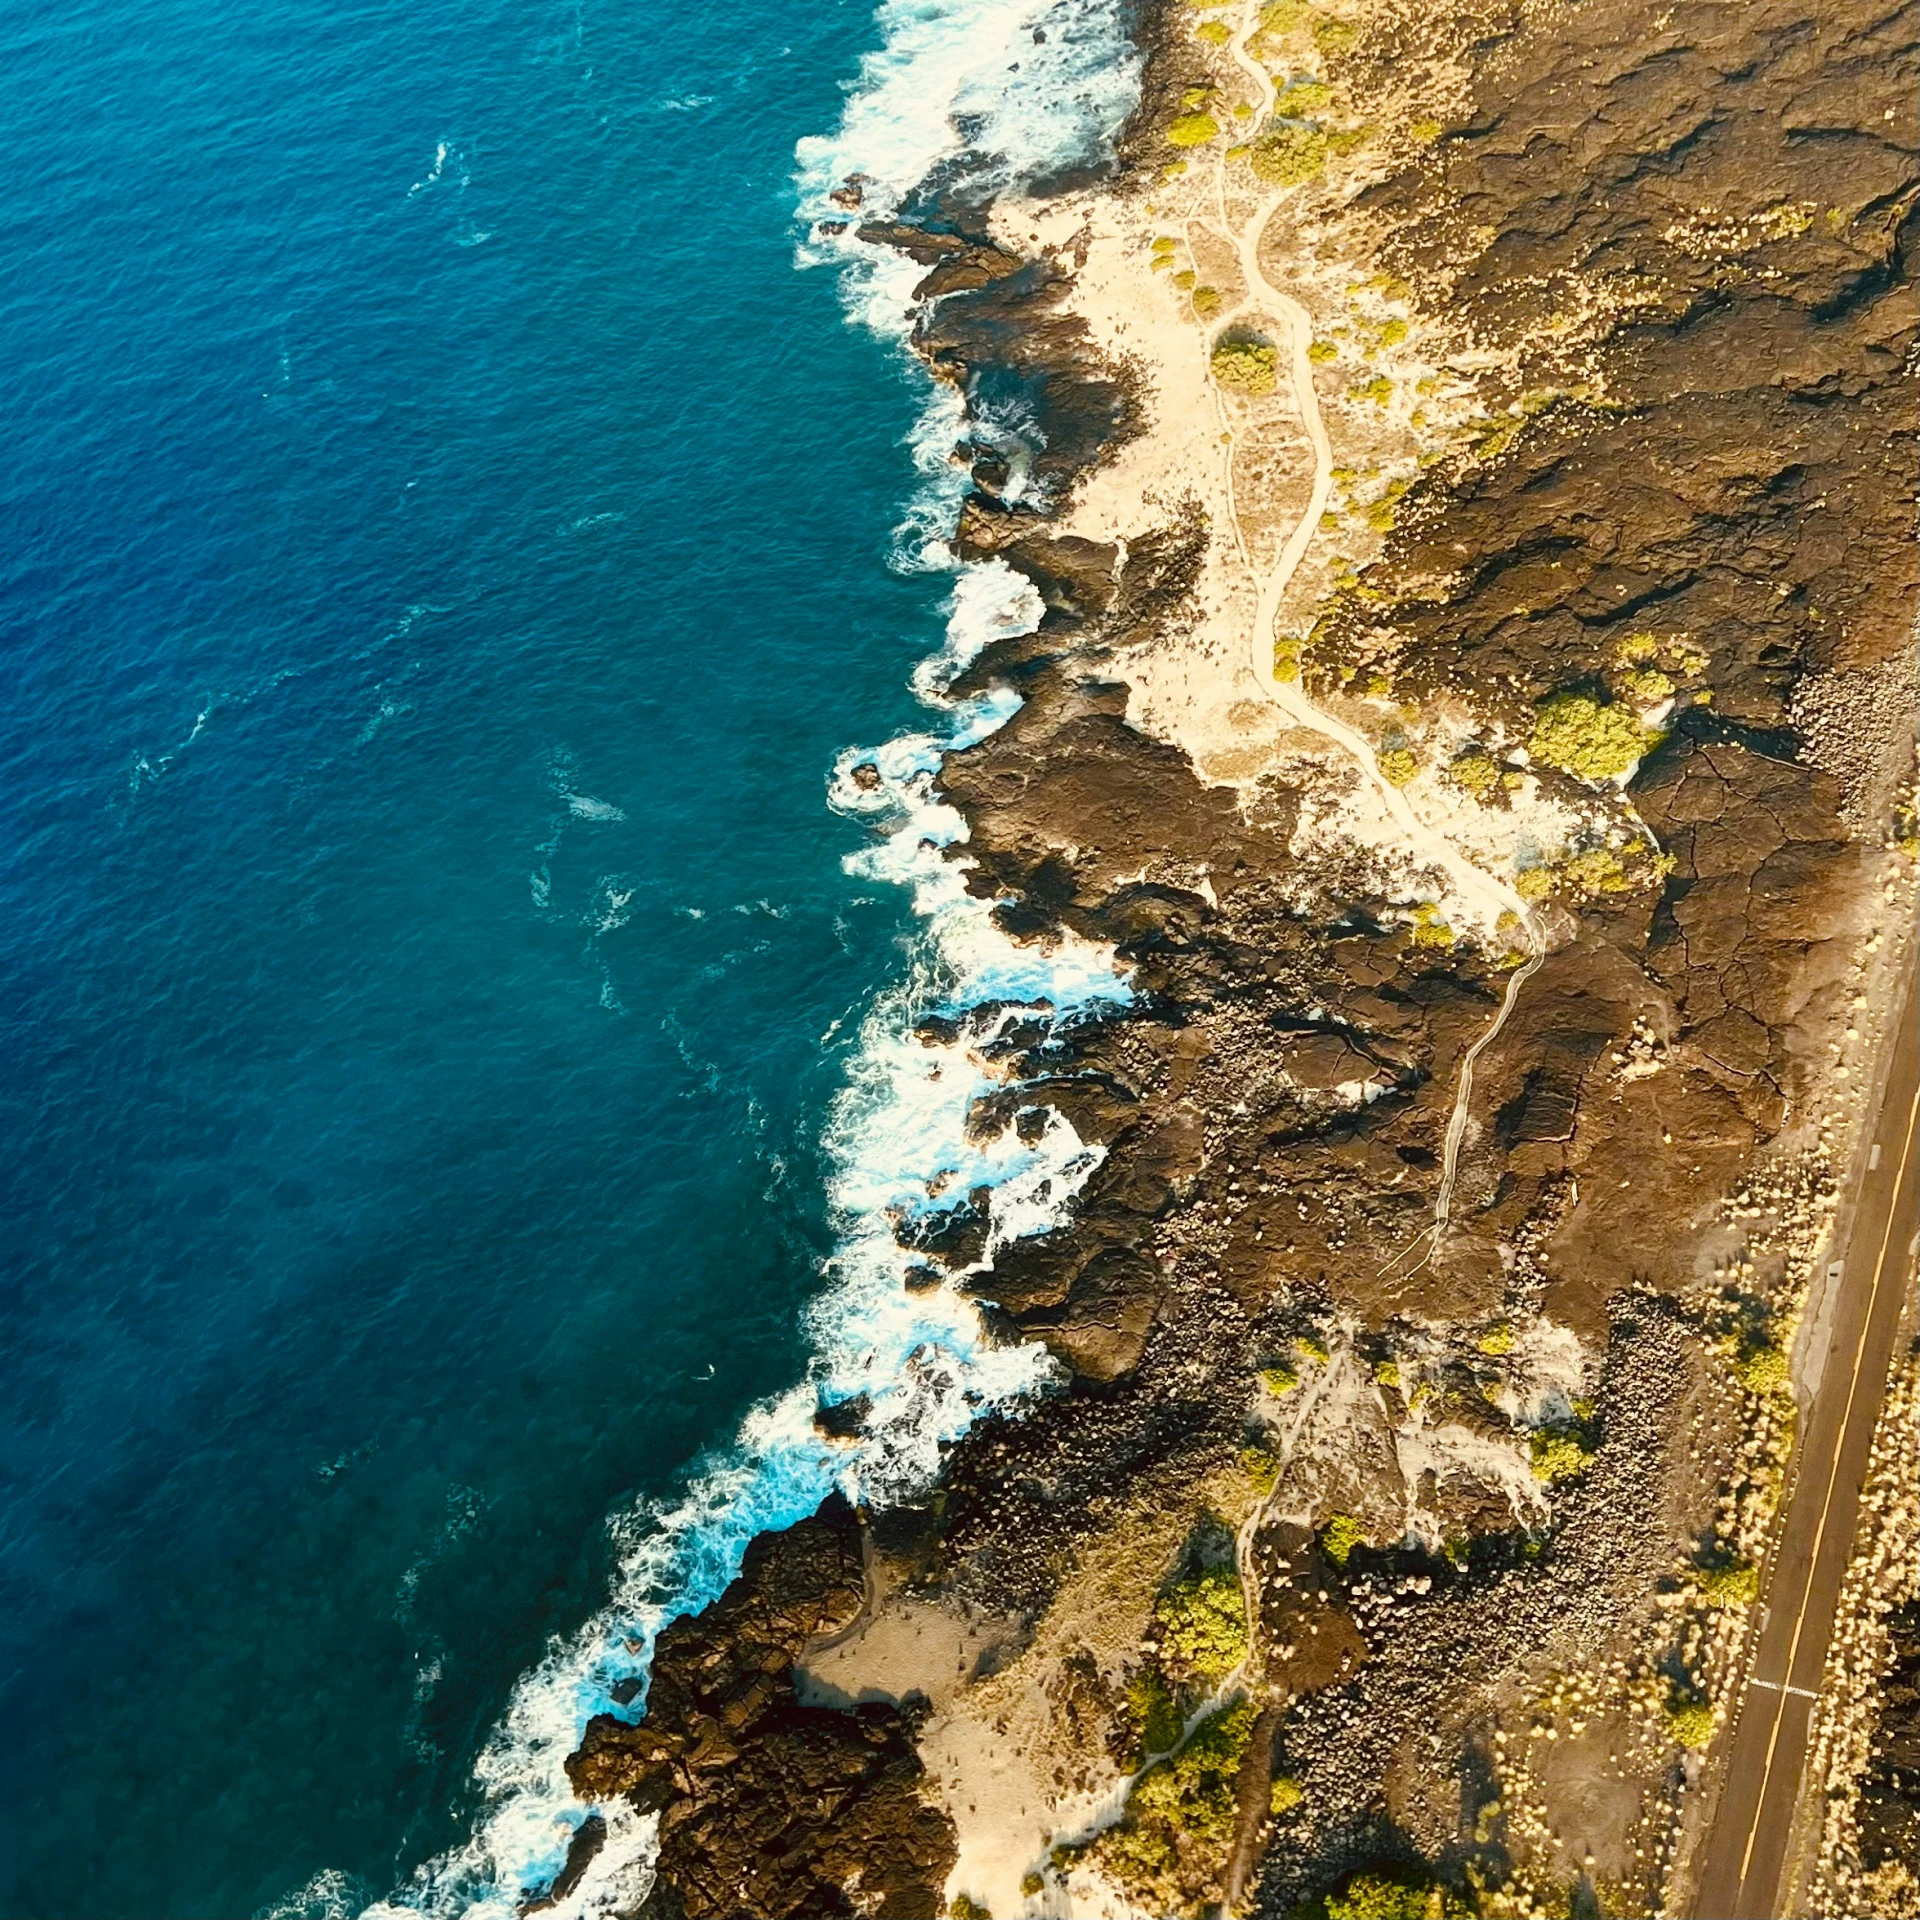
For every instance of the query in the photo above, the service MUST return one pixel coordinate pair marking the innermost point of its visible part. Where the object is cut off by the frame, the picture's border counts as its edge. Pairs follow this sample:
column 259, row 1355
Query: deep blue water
column 443, row 552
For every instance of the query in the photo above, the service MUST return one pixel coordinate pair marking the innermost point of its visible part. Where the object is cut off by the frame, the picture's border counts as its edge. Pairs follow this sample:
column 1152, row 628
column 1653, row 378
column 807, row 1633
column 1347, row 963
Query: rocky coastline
column 1328, row 1506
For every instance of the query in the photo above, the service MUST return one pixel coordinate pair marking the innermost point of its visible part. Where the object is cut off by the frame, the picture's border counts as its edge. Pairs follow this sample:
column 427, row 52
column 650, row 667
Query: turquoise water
column 455, row 1035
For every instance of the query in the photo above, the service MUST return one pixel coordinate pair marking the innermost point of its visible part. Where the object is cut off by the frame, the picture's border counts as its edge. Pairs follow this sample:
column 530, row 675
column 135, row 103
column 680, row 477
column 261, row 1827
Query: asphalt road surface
column 1745, row 1852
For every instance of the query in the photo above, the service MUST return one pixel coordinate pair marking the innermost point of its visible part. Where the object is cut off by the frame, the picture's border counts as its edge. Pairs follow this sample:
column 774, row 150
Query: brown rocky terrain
column 1717, row 450
column 768, row 1806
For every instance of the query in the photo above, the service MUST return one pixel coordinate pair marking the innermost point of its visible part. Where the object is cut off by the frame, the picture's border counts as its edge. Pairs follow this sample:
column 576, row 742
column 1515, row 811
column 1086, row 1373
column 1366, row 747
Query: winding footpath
column 1490, row 897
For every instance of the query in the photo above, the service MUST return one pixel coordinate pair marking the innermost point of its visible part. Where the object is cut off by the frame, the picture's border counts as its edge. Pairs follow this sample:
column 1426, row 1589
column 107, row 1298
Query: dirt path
column 1491, row 897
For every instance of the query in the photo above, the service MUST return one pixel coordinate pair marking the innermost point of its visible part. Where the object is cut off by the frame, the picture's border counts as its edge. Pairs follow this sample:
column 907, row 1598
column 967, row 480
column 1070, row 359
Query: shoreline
column 1428, row 1484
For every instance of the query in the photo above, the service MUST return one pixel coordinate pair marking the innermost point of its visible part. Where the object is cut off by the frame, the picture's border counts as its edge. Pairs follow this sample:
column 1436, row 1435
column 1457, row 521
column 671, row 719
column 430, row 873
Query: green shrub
column 1691, row 1724
column 1285, row 1794
column 1426, row 132
column 1246, row 366
column 1193, row 129
column 1279, row 1380
column 1311, row 1347
column 1729, row 1582
column 963, row 1908
column 1645, row 686
column 1152, row 1711
column 1398, row 766
column 1202, row 1620
column 1262, row 1468
column 1393, row 332
column 1206, row 301
column 1497, row 1339
column 1387, row 1896
column 1762, row 1368
column 1379, row 390
column 1305, row 97
column 1334, row 36
column 1172, row 1840
column 1184, row 279
column 1340, row 1536
column 1598, row 870
column 1216, row 33
column 1289, row 156
column 1430, row 931
column 1032, row 1883
column 1580, row 735
column 1534, row 883
column 1557, row 1454
column 1322, row 351
column 1476, row 772
column 1387, row 1372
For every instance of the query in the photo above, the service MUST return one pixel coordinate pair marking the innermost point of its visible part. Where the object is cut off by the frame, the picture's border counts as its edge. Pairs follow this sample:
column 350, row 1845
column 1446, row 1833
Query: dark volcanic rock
column 768, row 1808
column 582, row 1850
column 1889, row 1805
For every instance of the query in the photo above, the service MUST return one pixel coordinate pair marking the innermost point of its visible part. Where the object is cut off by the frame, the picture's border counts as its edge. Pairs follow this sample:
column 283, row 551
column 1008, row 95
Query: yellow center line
column 1833, row 1477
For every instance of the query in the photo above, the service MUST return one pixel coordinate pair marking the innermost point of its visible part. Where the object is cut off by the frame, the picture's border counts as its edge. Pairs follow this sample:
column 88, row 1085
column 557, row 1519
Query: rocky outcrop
column 1730, row 459
column 768, row 1808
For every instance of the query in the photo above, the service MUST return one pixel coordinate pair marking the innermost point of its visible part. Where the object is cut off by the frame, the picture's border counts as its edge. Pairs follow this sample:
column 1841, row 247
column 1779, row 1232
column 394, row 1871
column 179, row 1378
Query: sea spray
column 1000, row 93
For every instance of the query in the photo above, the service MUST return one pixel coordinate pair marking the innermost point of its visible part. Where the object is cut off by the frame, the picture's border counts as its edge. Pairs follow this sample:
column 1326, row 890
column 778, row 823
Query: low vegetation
column 1476, row 772
column 1334, row 36
column 1340, row 1536
column 1201, row 1625
column 1152, row 1712
column 1193, row 129
column 1401, row 1894
column 1761, row 1367
column 1690, row 1722
column 1250, row 367
column 1558, row 1453
column 1727, row 1580
column 1591, row 739
column 1171, row 1843
column 1289, row 156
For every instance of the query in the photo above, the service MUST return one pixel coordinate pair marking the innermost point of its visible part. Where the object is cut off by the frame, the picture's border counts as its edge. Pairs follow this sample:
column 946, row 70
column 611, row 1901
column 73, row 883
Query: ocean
column 463, row 530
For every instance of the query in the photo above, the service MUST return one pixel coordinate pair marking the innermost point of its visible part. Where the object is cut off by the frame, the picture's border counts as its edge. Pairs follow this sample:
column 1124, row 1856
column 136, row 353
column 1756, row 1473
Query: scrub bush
column 1246, row 366
column 1581, row 736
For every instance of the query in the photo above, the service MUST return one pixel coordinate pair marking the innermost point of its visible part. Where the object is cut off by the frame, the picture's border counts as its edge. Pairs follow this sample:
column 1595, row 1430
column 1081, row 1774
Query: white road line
column 1774, row 1686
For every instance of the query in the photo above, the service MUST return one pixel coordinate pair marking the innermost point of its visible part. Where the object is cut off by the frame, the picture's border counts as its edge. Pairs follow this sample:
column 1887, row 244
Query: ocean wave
column 1009, row 92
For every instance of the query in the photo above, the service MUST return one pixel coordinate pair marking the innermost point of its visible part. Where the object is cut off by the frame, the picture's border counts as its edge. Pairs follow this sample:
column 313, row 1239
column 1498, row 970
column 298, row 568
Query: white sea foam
column 961, row 84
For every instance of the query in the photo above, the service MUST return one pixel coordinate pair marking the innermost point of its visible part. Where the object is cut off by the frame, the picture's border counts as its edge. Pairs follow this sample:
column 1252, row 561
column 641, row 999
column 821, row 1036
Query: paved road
column 1745, row 1851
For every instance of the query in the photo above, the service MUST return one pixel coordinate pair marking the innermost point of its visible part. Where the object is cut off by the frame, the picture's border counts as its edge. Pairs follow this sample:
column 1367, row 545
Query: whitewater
column 998, row 95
